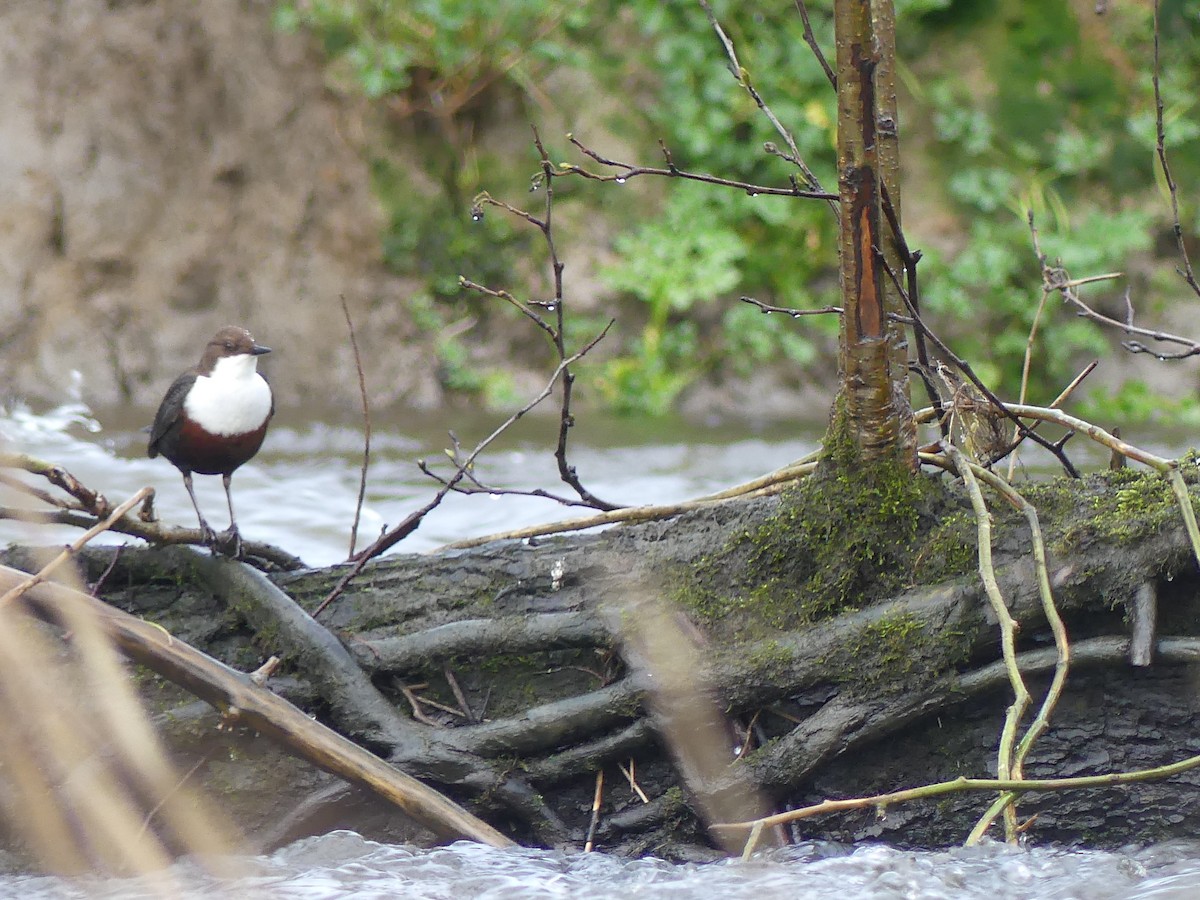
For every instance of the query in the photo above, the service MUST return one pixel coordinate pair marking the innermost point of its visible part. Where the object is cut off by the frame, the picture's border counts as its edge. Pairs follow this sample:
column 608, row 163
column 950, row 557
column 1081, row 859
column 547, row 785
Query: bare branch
column 1056, row 279
column 509, row 298
column 963, row 366
column 390, row 538
column 366, row 408
column 95, row 508
column 811, row 40
column 628, row 171
column 1188, row 275
column 743, row 79
column 794, row 313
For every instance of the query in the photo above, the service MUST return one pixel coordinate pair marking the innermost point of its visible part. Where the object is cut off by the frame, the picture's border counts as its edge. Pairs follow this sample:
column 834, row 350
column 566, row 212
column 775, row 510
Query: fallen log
column 499, row 673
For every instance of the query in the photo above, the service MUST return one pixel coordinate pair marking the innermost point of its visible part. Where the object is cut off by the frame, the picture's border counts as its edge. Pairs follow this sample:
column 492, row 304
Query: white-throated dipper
column 214, row 418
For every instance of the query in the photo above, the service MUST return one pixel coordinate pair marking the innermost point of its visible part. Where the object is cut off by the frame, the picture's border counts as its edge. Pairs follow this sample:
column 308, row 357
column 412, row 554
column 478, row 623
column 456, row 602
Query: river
column 342, row 865
column 300, row 493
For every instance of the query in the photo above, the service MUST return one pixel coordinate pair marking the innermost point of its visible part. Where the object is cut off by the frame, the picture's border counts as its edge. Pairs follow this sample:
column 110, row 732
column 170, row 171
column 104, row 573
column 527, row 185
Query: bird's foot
column 230, row 542
column 210, row 538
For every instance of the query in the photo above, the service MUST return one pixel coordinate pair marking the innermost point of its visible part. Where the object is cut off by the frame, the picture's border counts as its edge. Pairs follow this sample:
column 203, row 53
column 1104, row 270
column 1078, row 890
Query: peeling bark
column 873, row 351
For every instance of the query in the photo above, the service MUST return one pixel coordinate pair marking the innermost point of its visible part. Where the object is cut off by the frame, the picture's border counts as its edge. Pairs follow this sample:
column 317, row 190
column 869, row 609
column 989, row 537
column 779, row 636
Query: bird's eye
column 229, row 345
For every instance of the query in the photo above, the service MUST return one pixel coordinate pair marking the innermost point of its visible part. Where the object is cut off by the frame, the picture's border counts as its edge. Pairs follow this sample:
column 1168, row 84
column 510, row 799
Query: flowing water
column 301, row 492
column 343, row 865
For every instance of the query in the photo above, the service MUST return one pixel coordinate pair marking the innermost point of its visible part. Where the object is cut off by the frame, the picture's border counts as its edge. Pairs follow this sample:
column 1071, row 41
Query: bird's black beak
column 259, row 350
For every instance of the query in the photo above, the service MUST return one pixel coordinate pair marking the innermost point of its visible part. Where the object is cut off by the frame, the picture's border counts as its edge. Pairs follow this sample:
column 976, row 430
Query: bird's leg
column 210, row 536
column 232, row 533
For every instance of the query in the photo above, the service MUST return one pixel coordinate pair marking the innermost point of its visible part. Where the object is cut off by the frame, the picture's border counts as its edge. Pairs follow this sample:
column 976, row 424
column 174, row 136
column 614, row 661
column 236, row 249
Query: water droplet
column 620, row 179
column 752, row 193
column 533, row 188
column 475, row 217
column 551, row 307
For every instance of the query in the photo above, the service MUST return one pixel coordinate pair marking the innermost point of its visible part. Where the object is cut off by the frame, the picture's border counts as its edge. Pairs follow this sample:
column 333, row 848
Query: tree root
column 470, row 637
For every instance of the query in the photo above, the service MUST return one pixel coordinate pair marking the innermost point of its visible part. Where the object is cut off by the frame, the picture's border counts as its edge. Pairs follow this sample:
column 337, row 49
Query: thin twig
column 1161, row 134
column 958, row 785
column 36, row 492
column 505, row 295
column 767, row 484
column 911, row 294
column 743, row 78
column 628, row 171
column 811, row 40
column 788, row 311
column 1055, row 278
column 1058, row 401
column 98, row 585
column 631, row 776
column 1022, row 394
column 162, row 801
column 457, row 690
column 1179, row 488
column 68, row 552
column 390, row 538
column 963, row 366
column 366, row 409
column 1062, row 645
column 597, row 797
column 415, row 702
column 92, row 501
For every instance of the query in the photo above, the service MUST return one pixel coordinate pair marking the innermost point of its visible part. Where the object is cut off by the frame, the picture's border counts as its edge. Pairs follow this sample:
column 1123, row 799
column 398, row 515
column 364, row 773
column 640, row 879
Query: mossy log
column 843, row 630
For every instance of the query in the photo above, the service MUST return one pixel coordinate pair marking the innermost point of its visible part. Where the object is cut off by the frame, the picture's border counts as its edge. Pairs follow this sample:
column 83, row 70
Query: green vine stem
column 1008, row 628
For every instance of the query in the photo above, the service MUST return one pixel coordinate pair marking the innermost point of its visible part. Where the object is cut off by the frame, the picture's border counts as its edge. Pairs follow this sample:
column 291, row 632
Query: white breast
column 234, row 399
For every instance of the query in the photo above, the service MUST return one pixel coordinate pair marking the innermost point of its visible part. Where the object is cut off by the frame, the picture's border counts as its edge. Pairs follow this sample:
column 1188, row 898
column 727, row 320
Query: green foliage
column 456, row 370
column 453, row 47
column 1134, row 401
column 1068, row 139
column 1007, row 107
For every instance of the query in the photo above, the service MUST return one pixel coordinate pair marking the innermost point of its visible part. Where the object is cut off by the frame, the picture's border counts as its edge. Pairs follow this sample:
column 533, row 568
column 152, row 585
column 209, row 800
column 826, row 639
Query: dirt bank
column 170, row 167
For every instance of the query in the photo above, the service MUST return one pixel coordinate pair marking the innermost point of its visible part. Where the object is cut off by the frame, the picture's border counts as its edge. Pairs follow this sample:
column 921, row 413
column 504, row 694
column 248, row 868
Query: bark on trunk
column 874, row 399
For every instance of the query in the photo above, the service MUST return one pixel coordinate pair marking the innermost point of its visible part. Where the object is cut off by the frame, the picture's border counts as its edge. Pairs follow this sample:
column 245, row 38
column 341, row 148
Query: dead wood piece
column 357, row 705
column 801, row 658
column 847, row 722
column 155, row 533
column 236, row 694
column 555, row 724
column 585, row 757
column 1143, row 625
column 471, row 637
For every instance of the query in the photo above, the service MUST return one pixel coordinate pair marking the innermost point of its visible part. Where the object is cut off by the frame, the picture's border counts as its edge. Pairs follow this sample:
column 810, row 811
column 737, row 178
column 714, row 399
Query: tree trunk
column 872, row 416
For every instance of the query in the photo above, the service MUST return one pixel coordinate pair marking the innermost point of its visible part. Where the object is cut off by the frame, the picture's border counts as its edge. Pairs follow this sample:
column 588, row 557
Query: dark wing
column 169, row 418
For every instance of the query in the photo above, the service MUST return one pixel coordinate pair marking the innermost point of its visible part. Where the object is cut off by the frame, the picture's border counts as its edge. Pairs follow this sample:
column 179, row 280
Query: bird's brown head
column 230, row 341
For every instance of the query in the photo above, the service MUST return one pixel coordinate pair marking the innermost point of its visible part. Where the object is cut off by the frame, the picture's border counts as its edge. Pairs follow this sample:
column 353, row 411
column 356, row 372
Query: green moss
column 896, row 650
column 1112, row 506
column 768, row 655
column 842, row 539
column 950, row 550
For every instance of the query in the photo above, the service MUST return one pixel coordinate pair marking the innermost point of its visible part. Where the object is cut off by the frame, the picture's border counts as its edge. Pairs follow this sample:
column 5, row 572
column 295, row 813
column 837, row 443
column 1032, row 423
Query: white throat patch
column 234, row 399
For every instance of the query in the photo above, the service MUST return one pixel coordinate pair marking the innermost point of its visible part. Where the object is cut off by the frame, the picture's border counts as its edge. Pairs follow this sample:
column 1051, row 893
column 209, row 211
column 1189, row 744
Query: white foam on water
column 343, row 865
